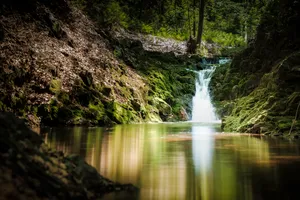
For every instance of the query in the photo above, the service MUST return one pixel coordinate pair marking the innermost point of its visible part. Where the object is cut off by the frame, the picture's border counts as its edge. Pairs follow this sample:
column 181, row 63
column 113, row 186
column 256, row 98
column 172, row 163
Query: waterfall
column 203, row 110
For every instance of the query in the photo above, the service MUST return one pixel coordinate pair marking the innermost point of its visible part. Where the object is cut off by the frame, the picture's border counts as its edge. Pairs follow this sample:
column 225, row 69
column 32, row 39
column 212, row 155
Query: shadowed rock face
column 31, row 170
column 259, row 92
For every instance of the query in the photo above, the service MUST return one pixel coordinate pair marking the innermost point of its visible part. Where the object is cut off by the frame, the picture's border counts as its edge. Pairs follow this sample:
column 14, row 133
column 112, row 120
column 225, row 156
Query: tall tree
column 189, row 20
column 201, row 19
column 194, row 19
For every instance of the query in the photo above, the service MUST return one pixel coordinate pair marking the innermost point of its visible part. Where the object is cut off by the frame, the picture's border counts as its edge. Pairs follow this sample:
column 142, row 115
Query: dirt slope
column 56, row 68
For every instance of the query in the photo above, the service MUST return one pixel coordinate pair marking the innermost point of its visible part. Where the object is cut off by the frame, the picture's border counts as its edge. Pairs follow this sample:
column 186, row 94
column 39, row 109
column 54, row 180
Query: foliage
column 115, row 15
column 227, row 22
column 223, row 38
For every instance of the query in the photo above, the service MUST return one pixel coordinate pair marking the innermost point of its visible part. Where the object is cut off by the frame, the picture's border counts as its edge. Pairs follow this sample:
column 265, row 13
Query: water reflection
column 203, row 146
column 122, row 154
column 186, row 161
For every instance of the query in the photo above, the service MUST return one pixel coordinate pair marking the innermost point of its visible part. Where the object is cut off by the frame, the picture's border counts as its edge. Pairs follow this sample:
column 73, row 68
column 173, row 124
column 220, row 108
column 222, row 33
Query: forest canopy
column 226, row 22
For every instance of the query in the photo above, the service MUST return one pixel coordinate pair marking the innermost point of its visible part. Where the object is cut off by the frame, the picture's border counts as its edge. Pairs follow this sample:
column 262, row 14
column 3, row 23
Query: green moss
column 33, row 109
column 77, row 120
column 176, row 108
column 259, row 102
column 63, row 97
column 152, row 114
column 96, row 111
column 284, row 125
column 167, row 79
column 57, row 30
column 143, row 112
column 56, row 27
column 159, row 84
column 118, row 113
column 53, row 109
column 55, row 86
column 118, row 52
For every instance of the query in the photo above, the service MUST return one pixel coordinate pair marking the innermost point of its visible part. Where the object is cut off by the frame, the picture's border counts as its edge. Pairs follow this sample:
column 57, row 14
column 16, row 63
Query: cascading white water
column 203, row 110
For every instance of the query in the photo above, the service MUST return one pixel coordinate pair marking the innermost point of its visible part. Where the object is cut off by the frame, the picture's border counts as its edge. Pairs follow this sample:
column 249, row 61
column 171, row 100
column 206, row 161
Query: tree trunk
column 201, row 19
column 189, row 20
column 194, row 20
column 175, row 5
column 246, row 33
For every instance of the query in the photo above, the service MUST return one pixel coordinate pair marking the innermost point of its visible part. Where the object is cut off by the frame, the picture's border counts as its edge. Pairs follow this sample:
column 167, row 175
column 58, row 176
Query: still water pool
column 190, row 161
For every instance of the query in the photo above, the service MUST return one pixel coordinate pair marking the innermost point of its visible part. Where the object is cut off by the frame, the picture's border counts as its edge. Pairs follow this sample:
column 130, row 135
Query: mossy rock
column 260, row 102
column 120, row 113
column 96, row 111
column 64, row 97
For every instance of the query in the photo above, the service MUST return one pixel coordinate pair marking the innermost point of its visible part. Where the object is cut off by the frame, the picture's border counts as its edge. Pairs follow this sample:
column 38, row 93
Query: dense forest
column 225, row 22
column 108, row 62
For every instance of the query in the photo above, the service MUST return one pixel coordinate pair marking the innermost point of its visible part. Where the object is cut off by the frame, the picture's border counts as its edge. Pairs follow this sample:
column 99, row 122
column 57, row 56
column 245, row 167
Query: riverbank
column 259, row 91
column 31, row 170
column 60, row 67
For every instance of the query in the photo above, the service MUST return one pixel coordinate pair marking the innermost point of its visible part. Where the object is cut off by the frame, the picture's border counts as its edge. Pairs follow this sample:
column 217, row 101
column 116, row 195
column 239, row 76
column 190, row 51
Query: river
column 170, row 161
